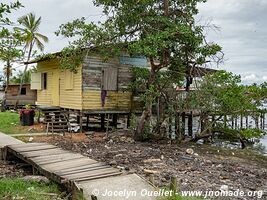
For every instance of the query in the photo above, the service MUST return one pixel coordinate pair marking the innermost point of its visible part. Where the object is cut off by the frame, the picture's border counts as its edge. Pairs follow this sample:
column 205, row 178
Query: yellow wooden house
column 97, row 87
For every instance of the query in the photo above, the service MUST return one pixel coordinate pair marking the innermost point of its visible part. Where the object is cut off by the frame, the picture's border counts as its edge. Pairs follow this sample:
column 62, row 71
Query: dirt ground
column 12, row 170
column 197, row 167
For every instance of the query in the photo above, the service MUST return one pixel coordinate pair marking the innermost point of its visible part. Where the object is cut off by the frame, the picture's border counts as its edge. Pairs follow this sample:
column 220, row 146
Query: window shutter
column 110, row 79
column 36, row 81
column 68, row 80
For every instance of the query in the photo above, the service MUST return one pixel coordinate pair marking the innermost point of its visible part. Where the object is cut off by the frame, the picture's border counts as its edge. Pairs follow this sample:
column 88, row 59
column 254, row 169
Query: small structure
column 27, row 96
column 98, row 86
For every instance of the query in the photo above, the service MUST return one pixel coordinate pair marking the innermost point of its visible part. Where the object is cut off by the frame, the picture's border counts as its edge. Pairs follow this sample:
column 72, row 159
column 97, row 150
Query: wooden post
column 128, row 120
column 81, row 121
column 241, row 121
column 190, row 124
column 177, row 126
column 107, row 124
column 236, row 127
column 257, row 122
column 225, row 121
column 232, row 119
column 87, row 122
column 158, row 110
column 246, row 121
column 170, row 127
column 261, row 119
column 183, row 126
column 115, row 120
column 173, row 185
column 152, row 179
column 102, row 122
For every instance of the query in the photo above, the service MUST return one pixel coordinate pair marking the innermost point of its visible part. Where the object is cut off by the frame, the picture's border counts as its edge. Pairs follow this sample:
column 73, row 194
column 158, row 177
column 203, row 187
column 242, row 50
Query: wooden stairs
column 55, row 119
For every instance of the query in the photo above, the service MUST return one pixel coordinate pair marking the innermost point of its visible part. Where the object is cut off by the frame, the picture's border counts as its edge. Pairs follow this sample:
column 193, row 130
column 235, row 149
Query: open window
column 44, row 81
column 23, row 91
column 110, row 79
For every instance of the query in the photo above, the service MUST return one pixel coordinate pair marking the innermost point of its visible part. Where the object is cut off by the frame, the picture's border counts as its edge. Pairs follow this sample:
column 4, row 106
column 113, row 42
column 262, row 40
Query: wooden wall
column 71, row 98
column 92, row 78
column 12, row 96
column 68, row 98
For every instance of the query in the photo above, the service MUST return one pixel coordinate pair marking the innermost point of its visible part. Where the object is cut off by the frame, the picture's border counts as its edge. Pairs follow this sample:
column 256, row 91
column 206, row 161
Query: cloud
column 243, row 30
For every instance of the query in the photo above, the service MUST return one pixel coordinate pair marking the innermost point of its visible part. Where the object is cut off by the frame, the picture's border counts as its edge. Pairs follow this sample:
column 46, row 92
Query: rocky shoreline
column 196, row 167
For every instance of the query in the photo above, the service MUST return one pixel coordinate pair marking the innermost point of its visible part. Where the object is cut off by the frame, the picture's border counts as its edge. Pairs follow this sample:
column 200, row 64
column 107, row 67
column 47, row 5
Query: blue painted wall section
column 137, row 61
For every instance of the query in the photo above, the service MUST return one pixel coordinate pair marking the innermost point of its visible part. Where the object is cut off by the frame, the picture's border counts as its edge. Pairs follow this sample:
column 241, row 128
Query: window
column 68, row 80
column 36, row 81
column 44, row 81
column 110, row 78
column 23, row 91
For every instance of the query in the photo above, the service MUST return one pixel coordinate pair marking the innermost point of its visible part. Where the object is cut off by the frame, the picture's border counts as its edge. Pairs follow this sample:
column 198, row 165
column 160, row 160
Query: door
column 55, row 88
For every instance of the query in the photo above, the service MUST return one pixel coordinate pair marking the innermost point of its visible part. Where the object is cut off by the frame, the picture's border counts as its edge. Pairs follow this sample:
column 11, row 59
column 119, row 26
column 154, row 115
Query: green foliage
column 71, row 58
column 222, row 93
column 252, row 133
column 7, row 9
column 164, row 32
column 17, row 78
column 30, row 25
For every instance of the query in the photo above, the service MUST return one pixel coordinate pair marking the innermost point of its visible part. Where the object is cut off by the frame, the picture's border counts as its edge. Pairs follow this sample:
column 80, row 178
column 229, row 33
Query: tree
column 9, row 40
column 27, row 77
column 221, row 94
column 31, row 37
column 162, row 30
column 10, row 51
column 4, row 10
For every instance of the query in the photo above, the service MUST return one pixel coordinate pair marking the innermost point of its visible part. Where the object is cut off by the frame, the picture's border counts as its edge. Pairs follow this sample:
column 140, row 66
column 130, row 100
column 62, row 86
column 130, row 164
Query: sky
column 242, row 31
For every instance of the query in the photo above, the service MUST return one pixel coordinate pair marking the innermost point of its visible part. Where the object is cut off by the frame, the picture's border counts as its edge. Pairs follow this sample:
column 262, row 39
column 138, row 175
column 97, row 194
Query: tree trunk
column 146, row 114
column 8, row 69
column 25, row 69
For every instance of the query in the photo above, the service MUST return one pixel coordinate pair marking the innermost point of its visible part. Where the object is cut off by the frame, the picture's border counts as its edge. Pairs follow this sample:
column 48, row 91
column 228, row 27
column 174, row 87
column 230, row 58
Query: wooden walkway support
column 77, row 173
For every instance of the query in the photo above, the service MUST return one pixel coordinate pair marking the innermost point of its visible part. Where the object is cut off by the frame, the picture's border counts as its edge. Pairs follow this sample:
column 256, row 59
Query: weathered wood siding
column 92, row 78
column 12, row 96
column 68, row 98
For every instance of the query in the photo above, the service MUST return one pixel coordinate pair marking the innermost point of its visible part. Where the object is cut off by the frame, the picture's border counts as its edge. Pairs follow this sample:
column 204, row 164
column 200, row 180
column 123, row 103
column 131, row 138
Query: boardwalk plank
column 59, row 159
column 81, row 168
column 43, row 152
column 35, row 148
column 26, row 145
column 58, row 167
column 84, row 170
column 91, row 173
column 80, row 180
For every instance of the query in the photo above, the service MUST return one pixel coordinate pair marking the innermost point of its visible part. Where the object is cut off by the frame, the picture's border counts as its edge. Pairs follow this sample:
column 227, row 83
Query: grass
column 8, row 123
column 30, row 190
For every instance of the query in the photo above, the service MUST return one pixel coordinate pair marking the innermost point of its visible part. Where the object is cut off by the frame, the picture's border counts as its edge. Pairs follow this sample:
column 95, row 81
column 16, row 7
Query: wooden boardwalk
column 74, row 171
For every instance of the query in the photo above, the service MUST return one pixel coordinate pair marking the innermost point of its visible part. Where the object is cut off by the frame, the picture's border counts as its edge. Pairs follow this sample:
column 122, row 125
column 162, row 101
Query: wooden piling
column 177, row 126
column 115, row 120
column 190, row 124
column 183, row 126
column 102, row 121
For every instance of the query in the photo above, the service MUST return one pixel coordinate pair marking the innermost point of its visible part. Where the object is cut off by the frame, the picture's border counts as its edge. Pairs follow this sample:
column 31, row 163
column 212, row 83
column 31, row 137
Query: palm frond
column 42, row 37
